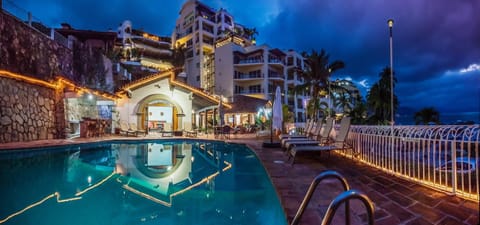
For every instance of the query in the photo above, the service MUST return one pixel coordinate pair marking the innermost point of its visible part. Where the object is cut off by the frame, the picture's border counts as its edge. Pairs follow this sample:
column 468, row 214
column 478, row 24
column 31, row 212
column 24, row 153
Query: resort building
column 160, row 103
column 222, row 58
column 141, row 53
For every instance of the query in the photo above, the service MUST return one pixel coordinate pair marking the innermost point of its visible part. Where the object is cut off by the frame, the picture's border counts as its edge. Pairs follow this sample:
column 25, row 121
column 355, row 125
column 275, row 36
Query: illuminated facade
column 198, row 28
column 222, row 58
column 145, row 50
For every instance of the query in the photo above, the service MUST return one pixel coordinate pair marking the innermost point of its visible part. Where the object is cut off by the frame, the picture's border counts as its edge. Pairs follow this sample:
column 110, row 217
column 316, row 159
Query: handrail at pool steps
column 344, row 197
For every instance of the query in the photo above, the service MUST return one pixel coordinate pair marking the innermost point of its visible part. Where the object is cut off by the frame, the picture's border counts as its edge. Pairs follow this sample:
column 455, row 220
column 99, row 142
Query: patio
column 397, row 201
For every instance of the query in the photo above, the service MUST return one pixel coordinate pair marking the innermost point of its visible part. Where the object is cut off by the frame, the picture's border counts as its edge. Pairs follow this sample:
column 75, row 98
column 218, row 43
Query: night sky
column 436, row 43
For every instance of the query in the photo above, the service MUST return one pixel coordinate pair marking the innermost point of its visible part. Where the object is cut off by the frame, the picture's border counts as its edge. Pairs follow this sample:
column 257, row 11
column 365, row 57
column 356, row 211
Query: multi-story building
column 222, row 58
column 198, row 28
column 143, row 52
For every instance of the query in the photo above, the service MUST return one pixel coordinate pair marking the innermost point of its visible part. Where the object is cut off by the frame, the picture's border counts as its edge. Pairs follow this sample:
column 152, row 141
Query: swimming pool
column 137, row 182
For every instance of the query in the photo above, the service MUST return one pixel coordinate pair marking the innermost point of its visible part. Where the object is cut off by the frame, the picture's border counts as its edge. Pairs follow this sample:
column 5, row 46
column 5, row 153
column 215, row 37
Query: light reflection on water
column 178, row 182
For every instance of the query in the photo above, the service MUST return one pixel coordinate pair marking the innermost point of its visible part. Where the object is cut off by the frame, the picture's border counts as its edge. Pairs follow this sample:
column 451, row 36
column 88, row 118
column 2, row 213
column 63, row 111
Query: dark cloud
column 429, row 37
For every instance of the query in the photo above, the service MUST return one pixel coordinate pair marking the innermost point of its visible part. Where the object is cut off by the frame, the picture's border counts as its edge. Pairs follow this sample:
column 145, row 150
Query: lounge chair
column 135, row 130
column 321, row 137
column 308, row 128
column 338, row 143
column 312, row 134
column 188, row 131
column 125, row 130
column 167, row 130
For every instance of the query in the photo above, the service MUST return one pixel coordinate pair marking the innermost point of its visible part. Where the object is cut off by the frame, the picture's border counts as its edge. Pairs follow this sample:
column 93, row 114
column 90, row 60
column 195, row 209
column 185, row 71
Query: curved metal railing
column 306, row 200
column 345, row 197
column 445, row 157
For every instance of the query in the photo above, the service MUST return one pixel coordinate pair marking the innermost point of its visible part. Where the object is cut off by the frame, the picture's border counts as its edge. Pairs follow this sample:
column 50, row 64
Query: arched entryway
column 159, row 110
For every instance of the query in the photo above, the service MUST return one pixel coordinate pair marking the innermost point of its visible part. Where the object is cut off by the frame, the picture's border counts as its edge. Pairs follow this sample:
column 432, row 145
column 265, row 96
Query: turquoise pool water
column 137, row 182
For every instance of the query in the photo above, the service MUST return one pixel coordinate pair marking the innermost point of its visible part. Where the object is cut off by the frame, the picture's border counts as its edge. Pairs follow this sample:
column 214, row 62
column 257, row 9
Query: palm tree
column 378, row 99
column 358, row 113
column 316, row 75
column 250, row 33
column 427, row 115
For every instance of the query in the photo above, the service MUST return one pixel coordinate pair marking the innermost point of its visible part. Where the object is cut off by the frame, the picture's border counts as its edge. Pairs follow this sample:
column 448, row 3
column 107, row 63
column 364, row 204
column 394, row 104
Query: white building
column 160, row 101
column 222, row 58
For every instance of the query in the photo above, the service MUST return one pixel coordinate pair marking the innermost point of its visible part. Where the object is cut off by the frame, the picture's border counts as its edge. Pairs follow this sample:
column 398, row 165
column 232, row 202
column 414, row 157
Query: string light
column 57, row 84
column 170, row 74
column 169, row 203
column 57, row 194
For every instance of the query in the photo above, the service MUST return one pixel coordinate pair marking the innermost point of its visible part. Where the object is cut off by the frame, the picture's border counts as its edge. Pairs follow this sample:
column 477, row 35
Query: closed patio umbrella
column 277, row 112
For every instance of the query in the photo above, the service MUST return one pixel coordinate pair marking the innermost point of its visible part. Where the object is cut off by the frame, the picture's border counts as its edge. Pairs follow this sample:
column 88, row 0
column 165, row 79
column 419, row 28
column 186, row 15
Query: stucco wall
column 29, row 112
column 128, row 108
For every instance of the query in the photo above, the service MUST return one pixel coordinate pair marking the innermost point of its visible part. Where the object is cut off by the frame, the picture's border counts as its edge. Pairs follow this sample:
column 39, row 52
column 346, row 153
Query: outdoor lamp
column 390, row 23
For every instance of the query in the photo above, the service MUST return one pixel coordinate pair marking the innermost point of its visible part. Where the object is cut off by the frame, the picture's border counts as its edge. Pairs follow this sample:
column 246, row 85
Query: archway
column 158, row 101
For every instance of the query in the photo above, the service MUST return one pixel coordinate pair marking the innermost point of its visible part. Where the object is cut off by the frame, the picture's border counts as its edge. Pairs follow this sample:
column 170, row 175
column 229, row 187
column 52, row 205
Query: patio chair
column 188, row 131
column 321, row 137
column 308, row 128
column 125, row 130
column 312, row 134
column 135, row 130
column 167, row 130
column 338, row 143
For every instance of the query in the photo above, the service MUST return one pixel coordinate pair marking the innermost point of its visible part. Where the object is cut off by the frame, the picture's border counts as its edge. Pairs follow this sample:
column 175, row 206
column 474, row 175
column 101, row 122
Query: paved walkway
column 396, row 201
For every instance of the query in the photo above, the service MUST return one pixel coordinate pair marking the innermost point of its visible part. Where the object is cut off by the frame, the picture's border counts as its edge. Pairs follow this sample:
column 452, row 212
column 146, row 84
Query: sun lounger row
column 130, row 129
column 326, row 145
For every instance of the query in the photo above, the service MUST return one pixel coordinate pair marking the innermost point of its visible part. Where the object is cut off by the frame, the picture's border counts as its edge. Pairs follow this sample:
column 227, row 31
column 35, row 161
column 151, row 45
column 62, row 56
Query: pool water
column 137, row 182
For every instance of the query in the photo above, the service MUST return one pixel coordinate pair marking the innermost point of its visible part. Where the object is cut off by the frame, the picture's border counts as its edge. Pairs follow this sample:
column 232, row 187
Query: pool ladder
column 341, row 198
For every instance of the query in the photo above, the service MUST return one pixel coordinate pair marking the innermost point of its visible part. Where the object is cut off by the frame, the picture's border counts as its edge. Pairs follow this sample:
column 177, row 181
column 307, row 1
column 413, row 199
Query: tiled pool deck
column 396, row 201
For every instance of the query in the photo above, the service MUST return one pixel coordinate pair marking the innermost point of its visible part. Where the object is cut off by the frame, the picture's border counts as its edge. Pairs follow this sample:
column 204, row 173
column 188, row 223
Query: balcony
column 275, row 75
column 243, row 76
column 250, row 61
column 253, row 91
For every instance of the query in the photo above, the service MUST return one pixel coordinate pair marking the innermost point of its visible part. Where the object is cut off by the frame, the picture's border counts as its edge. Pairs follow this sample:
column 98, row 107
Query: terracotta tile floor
column 396, row 201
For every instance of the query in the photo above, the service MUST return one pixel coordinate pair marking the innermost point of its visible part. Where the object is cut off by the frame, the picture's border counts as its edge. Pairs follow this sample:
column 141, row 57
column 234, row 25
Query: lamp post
column 392, row 121
column 390, row 25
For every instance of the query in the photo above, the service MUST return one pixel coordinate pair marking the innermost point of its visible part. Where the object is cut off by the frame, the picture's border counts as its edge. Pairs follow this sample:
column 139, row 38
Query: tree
column 250, row 33
column 316, row 77
column 378, row 99
column 427, row 115
column 358, row 114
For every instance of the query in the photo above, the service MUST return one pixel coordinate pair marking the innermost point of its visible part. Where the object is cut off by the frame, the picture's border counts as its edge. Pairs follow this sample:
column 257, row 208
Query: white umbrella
column 220, row 112
column 277, row 111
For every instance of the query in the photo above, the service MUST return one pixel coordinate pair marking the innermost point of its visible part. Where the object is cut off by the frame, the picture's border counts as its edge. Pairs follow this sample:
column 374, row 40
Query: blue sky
column 436, row 44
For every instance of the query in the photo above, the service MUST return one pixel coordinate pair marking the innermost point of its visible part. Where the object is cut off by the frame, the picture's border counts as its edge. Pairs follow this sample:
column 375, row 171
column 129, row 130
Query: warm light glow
column 390, row 23
column 169, row 203
column 57, row 194
column 27, row 79
column 151, row 37
column 58, row 84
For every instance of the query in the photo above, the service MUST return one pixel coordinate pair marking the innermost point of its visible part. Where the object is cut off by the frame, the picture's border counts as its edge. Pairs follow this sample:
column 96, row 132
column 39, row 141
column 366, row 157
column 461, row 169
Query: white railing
column 424, row 154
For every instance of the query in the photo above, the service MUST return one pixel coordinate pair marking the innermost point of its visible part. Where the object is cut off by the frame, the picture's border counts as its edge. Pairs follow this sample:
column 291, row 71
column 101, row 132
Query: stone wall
column 29, row 112
column 24, row 50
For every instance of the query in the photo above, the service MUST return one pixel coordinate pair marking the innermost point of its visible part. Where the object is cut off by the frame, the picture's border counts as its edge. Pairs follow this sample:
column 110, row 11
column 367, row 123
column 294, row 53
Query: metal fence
column 442, row 157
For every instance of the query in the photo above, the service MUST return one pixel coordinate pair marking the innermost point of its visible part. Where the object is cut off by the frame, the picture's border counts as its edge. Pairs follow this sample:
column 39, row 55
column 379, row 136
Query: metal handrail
column 311, row 189
column 345, row 197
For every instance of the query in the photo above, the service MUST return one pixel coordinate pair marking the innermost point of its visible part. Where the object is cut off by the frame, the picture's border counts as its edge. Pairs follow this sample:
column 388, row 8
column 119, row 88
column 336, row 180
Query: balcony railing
column 442, row 157
column 247, row 76
column 249, row 61
column 275, row 75
column 257, row 91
